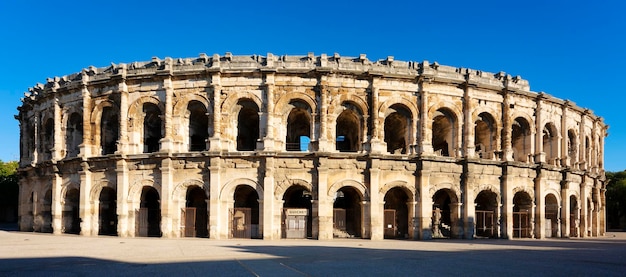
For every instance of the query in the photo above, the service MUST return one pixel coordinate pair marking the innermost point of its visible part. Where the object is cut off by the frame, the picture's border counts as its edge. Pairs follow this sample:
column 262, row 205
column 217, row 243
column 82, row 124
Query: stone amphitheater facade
column 306, row 146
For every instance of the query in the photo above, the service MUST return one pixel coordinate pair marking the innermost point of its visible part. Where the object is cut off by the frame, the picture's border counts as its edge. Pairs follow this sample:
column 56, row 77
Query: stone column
column 540, row 211
column 324, row 145
column 167, row 209
column 425, row 206
column 468, row 129
column 122, row 143
column 216, row 90
column 507, row 127
column 36, row 130
column 269, row 116
column 85, row 209
column 124, row 210
column 376, row 144
column 540, row 156
column 271, row 211
column 376, row 212
column 58, row 138
column 57, row 203
column 216, row 228
column 167, row 142
column 584, row 211
column 602, row 210
column 426, row 135
column 86, row 147
column 469, row 210
column 506, row 211
column 564, row 141
column 325, row 202
column 565, row 212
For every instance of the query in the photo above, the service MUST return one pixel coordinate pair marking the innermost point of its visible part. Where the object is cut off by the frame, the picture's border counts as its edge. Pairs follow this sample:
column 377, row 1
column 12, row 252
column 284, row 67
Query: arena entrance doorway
column 297, row 220
column 396, row 214
column 149, row 213
column 574, row 221
column 244, row 216
column 71, row 218
column 107, row 212
column 444, row 216
column 195, row 214
column 347, row 213
column 522, row 208
column 486, row 204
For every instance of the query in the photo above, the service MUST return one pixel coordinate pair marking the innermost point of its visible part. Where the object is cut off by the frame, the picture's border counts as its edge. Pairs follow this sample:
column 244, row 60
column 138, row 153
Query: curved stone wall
column 306, row 146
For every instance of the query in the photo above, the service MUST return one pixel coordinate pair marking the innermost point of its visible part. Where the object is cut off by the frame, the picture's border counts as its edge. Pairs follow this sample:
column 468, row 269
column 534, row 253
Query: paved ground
column 34, row 254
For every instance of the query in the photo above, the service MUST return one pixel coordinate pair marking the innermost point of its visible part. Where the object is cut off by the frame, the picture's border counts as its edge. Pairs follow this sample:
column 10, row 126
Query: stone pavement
column 35, row 254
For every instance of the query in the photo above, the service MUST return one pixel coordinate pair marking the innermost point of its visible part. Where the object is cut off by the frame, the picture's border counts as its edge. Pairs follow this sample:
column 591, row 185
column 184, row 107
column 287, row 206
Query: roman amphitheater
column 319, row 147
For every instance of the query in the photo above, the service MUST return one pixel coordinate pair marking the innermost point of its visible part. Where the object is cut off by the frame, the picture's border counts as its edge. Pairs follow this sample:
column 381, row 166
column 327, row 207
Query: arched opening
column 445, row 214
column 149, row 213
column 247, row 125
column 71, row 218
column 396, row 214
column 198, row 126
column 74, row 135
column 107, row 212
column 485, row 136
column 444, row 133
column 574, row 222
column 45, row 219
column 47, row 143
column 196, row 214
column 587, row 153
column 550, row 140
column 572, row 147
column 397, row 125
column 520, row 139
column 347, row 213
column 109, row 130
column 245, row 213
column 486, row 204
column 297, row 207
column 348, row 129
column 152, row 128
column 298, row 127
column 551, row 216
column 522, row 215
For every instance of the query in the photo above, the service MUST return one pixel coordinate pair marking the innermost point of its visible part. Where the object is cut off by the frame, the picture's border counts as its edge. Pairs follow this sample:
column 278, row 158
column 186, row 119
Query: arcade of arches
column 310, row 146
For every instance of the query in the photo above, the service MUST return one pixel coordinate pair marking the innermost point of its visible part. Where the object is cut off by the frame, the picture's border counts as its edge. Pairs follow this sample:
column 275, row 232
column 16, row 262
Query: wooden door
column 190, row 222
column 391, row 226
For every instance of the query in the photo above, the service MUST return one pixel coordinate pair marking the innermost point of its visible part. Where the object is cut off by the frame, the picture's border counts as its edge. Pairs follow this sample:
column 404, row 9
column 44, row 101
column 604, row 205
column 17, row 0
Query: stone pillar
column 413, row 219
column 507, row 128
column 540, row 206
column 602, row 211
column 124, row 210
column 506, row 211
column 216, row 213
column 426, row 135
column 167, row 209
column 564, row 140
column 167, row 142
column 86, row 147
column 57, row 203
column 376, row 144
column 377, row 207
column 122, row 144
column 582, row 151
column 324, row 145
column 540, row 156
column 216, row 90
column 468, row 128
column 425, row 206
column 270, row 121
column 584, row 211
column 469, row 211
column 271, row 209
column 325, row 202
column 565, row 212
column 58, row 137
column 36, row 129
column 85, row 210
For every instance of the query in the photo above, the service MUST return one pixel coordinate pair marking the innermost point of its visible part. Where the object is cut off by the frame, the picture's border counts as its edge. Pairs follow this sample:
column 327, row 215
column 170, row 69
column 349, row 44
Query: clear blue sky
column 570, row 49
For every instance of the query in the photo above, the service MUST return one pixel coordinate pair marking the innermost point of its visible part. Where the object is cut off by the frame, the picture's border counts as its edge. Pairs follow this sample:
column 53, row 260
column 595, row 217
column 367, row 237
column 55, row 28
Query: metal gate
column 295, row 223
column 189, row 214
column 391, row 226
column 339, row 219
column 521, row 225
column 142, row 222
column 485, row 224
column 241, row 223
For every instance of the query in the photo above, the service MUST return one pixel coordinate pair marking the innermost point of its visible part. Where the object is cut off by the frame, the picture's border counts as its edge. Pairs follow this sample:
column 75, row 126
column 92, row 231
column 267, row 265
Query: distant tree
column 9, row 191
column 616, row 200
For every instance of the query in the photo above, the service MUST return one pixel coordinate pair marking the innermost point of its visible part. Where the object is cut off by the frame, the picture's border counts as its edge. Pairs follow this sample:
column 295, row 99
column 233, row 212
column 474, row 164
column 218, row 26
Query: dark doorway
column 109, row 130
column 247, row 126
column 71, row 218
column 297, row 220
column 46, row 213
column 108, row 212
column 245, row 213
column 396, row 214
column 347, row 213
column 442, row 214
column 552, row 216
column 152, row 125
column 150, row 213
column 486, row 204
column 198, row 126
column 574, row 222
column 522, row 209
column 196, row 215
column 348, row 129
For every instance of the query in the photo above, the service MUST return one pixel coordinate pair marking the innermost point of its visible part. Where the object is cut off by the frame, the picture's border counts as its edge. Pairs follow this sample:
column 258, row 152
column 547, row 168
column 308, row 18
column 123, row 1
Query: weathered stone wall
column 138, row 149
